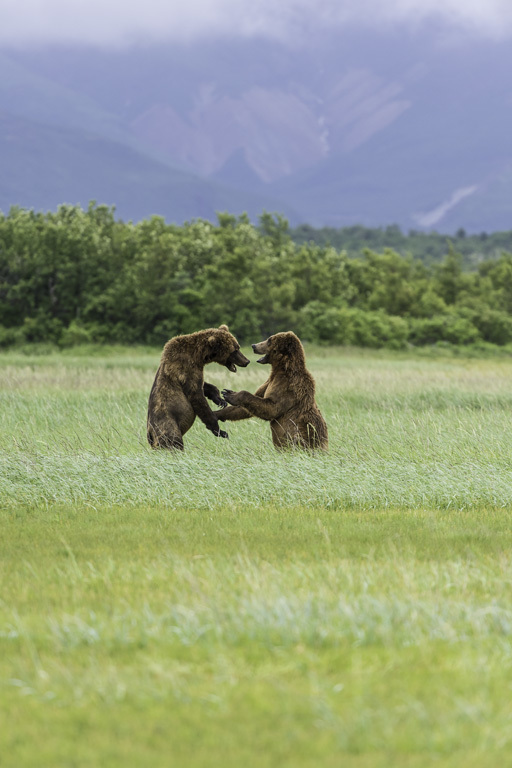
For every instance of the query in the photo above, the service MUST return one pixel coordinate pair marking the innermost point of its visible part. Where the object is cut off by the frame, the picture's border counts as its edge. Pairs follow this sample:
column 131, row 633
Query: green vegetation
column 429, row 247
column 238, row 606
column 79, row 276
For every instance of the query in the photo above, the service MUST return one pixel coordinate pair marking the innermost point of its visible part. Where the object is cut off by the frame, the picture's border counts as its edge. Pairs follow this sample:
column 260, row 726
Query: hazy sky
column 120, row 22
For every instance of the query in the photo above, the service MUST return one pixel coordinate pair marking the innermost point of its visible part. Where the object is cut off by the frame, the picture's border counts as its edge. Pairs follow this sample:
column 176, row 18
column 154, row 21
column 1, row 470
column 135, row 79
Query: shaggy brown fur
column 179, row 393
column 287, row 399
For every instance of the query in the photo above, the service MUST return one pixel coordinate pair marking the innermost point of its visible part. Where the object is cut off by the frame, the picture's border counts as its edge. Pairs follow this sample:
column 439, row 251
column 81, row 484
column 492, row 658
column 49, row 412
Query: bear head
column 281, row 348
column 223, row 348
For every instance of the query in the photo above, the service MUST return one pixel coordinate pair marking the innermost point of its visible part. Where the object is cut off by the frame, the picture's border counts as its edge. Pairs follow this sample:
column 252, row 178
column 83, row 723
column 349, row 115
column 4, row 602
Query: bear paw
column 218, row 432
column 229, row 395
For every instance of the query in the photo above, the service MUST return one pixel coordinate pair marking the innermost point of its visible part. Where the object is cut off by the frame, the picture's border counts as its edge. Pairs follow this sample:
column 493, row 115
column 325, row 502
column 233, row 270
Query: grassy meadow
column 237, row 606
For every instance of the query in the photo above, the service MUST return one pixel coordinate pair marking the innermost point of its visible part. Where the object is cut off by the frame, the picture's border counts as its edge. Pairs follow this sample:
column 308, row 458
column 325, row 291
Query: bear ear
column 223, row 328
column 289, row 343
column 212, row 348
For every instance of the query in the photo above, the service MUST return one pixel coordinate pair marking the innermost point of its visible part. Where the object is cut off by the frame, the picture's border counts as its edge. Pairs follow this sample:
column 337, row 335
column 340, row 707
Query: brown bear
column 287, row 399
column 179, row 393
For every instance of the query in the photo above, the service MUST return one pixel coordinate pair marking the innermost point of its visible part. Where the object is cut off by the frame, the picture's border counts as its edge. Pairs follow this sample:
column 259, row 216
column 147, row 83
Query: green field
column 235, row 606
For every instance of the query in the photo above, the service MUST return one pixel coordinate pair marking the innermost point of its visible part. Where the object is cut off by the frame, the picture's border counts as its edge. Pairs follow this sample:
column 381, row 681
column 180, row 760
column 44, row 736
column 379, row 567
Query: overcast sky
column 121, row 22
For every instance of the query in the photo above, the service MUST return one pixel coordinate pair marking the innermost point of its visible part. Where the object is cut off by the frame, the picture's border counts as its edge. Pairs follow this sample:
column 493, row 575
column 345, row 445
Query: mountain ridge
column 371, row 129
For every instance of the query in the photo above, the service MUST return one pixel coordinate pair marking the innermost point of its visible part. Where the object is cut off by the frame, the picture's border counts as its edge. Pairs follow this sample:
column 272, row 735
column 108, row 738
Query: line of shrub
column 76, row 275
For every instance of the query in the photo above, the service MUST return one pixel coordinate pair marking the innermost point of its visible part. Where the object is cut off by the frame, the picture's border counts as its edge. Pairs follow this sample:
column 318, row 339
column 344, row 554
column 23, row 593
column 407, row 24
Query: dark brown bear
column 179, row 393
column 287, row 399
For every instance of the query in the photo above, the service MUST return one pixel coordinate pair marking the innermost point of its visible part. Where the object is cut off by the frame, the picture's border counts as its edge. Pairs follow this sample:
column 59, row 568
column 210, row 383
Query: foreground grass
column 237, row 606
column 274, row 638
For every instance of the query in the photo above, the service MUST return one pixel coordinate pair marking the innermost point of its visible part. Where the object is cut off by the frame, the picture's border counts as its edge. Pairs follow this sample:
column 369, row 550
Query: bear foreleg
column 213, row 393
column 261, row 407
column 204, row 412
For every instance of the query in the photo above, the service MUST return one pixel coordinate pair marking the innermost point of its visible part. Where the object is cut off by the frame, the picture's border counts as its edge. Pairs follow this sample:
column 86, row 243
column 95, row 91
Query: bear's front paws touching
column 213, row 394
column 230, row 396
column 218, row 400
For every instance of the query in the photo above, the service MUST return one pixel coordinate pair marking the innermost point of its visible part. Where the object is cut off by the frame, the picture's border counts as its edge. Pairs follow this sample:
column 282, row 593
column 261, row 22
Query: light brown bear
column 286, row 399
column 179, row 393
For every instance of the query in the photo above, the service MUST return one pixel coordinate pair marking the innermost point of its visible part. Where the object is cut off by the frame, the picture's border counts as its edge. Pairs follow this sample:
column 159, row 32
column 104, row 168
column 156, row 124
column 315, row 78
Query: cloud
column 122, row 22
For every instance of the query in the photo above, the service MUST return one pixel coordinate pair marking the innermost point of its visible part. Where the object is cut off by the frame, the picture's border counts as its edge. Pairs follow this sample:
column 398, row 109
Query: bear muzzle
column 258, row 349
column 236, row 358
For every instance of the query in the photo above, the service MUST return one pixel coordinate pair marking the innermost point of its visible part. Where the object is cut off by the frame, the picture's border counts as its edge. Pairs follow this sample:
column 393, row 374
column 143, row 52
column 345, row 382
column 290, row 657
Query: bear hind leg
column 170, row 438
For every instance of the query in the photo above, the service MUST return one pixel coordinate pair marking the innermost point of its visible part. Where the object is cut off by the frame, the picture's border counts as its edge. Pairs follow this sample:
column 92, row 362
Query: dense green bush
column 75, row 276
column 349, row 325
column 494, row 325
column 448, row 327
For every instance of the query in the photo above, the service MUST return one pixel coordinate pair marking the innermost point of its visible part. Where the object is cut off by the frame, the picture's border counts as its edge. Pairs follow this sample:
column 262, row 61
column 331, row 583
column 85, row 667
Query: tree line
column 77, row 275
column 429, row 247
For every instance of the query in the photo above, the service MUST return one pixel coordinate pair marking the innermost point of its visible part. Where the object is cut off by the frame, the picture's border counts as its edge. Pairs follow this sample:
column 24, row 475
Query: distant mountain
column 59, row 145
column 353, row 128
column 44, row 166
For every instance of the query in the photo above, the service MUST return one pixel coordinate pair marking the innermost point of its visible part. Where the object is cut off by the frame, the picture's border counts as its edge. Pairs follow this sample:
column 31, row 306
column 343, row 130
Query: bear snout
column 241, row 359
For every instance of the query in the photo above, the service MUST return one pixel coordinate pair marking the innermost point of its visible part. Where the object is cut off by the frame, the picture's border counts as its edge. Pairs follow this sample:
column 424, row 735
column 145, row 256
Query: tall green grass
column 402, row 432
column 237, row 606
